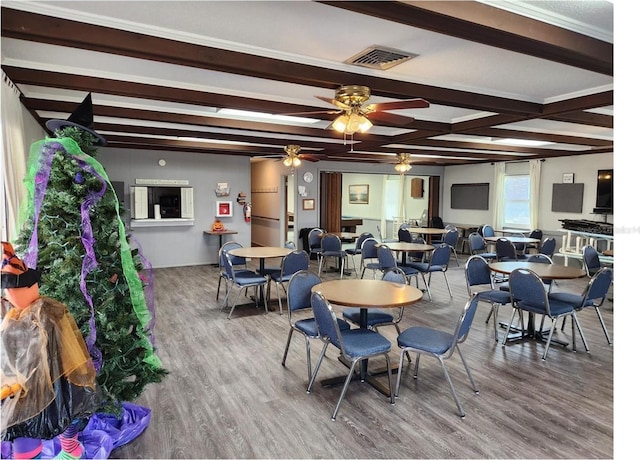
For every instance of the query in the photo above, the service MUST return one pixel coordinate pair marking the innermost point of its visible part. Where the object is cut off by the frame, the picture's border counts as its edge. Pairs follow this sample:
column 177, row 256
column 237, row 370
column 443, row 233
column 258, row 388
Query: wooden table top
column 404, row 246
column 544, row 271
column 367, row 293
column 219, row 232
column 260, row 252
column 608, row 252
column 427, row 230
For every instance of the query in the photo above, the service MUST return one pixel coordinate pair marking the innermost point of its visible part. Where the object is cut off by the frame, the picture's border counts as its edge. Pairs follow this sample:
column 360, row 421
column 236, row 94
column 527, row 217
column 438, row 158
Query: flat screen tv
column 604, row 192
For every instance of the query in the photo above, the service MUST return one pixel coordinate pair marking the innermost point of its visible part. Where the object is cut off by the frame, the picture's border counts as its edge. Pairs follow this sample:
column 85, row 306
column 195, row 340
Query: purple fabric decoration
column 103, row 433
column 89, row 262
column 42, row 179
column 79, row 179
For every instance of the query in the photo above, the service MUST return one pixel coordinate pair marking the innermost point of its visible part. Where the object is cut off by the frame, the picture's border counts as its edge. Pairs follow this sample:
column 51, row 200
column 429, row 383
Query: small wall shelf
column 138, row 223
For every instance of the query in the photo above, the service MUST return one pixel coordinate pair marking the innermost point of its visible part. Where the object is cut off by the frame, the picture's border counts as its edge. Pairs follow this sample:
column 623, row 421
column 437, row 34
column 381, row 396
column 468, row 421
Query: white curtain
column 498, row 195
column 383, row 212
column 14, row 154
column 534, row 190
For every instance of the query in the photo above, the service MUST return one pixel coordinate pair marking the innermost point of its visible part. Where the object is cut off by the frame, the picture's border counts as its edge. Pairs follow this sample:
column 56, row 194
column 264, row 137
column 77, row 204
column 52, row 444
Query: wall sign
column 567, row 178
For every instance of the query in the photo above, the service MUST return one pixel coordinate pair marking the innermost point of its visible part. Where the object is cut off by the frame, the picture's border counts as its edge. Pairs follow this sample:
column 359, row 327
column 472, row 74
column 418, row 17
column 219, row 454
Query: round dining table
column 405, row 247
column 365, row 294
column 544, row 271
column 261, row 253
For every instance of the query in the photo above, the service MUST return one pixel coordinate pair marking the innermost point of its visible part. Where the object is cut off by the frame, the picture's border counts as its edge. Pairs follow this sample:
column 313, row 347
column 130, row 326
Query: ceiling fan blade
column 308, row 158
column 391, row 118
column 296, row 114
column 333, row 101
column 398, row 105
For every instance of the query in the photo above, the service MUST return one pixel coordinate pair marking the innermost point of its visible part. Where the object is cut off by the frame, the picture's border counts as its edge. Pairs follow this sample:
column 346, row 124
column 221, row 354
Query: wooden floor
column 228, row 396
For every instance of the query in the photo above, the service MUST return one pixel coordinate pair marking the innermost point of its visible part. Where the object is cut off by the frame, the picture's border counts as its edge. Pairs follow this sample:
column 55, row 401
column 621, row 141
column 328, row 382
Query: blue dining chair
column 299, row 304
column 437, row 263
column 357, row 249
column 243, row 280
column 239, row 265
column 593, row 296
column 591, row 260
column 331, row 246
column 478, row 275
column 528, row 294
column 441, row 345
column 369, row 257
column 450, row 239
column 354, row 345
column 291, row 263
column 478, row 246
column 388, row 261
column 315, row 239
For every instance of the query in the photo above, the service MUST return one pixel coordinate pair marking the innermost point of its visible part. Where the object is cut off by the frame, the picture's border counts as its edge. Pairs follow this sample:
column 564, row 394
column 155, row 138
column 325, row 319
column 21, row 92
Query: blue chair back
column 326, row 319
column 361, row 238
column 386, row 258
column 369, row 249
column 476, row 243
column 537, row 234
column 528, row 291
column 404, row 235
column 487, row 230
column 466, row 319
column 451, row 238
column 294, row 262
column 331, row 243
column 477, row 272
column 540, row 259
column 599, row 285
column 591, row 260
column 505, row 250
column 418, row 255
column 440, row 255
column 436, row 222
column 548, row 247
column 315, row 238
column 299, row 292
column 235, row 260
column 394, row 275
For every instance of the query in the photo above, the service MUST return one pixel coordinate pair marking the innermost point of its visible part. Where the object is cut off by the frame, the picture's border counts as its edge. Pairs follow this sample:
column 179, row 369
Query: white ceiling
column 324, row 36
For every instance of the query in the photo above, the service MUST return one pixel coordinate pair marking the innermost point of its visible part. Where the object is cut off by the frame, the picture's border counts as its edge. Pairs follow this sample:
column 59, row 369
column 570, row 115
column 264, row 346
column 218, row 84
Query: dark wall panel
column 470, row 196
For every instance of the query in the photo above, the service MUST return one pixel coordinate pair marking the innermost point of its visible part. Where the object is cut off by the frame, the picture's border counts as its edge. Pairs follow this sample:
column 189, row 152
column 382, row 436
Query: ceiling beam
column 477, row 22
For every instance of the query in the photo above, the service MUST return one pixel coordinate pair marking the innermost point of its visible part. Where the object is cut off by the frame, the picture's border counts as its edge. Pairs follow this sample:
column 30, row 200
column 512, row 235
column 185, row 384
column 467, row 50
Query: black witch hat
column 82, row 117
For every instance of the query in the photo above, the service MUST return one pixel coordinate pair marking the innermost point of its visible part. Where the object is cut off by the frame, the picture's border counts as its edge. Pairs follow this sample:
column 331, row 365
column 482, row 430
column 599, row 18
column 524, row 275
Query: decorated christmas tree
column 72, row 230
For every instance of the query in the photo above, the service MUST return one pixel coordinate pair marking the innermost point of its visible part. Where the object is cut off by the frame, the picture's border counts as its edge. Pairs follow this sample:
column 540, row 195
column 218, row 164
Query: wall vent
column 380, row 57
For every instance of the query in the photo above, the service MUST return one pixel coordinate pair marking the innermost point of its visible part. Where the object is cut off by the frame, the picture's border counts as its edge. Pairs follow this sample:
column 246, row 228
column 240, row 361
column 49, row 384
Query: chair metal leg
column 315, row 372
column 546, row 347
column 400, row 366
column 286, row 347
column 494, row 310
column 576, row 324
column 604, row 328
column 307, row 343
column 453, row 390
column 344, row 387
column 447, row 281
column 464, row 362
column 506, row 334
column 278, row 294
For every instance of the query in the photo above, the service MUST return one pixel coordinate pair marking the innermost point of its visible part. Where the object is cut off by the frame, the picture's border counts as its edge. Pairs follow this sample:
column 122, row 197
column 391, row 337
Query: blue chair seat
column 555, row 307
column 575, row 300
column 249, row 278
column 426, row 339
column 363, row 342
column 501, row 297
column 309, row 327
column 425, row 267
column 374, row 316
column 408, row 269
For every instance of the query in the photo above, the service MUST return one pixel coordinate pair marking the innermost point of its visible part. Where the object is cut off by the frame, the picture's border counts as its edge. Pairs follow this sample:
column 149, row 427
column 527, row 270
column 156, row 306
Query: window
column 516, row 202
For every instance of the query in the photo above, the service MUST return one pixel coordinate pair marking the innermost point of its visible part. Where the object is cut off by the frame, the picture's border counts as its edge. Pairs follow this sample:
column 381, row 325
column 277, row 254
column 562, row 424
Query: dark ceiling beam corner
column 474, row 21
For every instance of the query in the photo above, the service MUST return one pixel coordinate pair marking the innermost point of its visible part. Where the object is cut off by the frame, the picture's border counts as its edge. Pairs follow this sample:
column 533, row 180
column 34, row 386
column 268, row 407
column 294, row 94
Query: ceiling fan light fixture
column 403, row 165
column 350, row 123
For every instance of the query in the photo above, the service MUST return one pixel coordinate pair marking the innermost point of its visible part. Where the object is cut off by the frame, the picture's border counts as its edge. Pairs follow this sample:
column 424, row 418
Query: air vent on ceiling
column 379, row 57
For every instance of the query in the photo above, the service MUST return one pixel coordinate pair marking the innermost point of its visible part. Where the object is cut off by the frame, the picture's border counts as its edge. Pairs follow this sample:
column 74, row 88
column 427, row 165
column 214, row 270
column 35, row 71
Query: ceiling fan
column 293, row 156
column 354, row 117
column 403, row 164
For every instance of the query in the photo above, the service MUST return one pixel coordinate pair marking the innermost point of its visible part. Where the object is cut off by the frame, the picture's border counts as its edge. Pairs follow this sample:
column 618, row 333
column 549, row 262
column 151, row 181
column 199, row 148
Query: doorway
column 289, row 196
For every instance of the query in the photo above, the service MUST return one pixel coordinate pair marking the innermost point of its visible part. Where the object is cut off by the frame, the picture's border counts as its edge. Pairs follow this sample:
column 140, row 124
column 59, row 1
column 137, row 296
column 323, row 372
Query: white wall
column 584, row 167
column 175, row 246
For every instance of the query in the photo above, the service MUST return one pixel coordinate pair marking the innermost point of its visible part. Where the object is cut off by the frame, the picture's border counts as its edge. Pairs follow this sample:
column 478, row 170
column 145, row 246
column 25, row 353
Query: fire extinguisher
column 246, row 210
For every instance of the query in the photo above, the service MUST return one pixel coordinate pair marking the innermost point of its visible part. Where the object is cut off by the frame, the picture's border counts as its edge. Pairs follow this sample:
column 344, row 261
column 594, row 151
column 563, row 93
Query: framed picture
column 308, row 204
column 359, row 194
column 224, row 209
